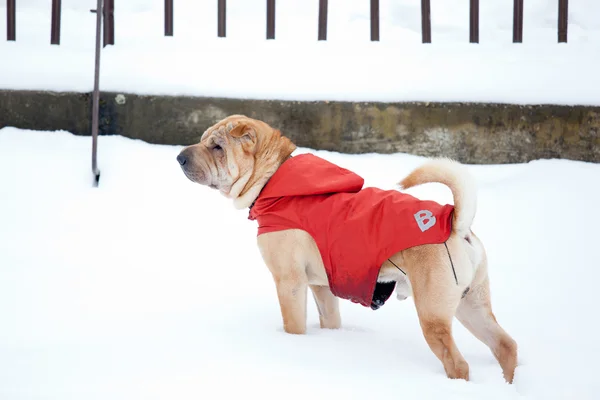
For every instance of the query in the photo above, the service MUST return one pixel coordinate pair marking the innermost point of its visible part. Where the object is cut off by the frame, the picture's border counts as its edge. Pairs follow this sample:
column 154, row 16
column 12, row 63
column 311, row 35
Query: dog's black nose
column 181, row 159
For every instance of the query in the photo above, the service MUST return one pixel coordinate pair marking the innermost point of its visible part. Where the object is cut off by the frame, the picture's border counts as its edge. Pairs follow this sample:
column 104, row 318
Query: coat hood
column 306, row 175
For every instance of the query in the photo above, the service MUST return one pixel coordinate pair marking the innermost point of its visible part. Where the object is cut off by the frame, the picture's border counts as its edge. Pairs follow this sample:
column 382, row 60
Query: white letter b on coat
column 425, row 220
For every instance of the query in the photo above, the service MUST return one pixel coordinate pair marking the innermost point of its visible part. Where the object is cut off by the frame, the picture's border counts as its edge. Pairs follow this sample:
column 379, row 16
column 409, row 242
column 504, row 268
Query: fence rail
column 374, row 20
column 474, row 22
column 425, row 21
column 109, row 20
column 518, row 21
column 11, row 19
column 108, row 14
column 55, row 23
column 270, row 19
column 168, row 17
column 322, row 20
column 221, row 17
column 563, row 15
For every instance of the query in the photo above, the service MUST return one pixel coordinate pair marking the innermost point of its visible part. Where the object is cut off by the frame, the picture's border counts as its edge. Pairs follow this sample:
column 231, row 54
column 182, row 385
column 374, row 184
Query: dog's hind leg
column 328, row 306
column 475, row 313
column 436, row 297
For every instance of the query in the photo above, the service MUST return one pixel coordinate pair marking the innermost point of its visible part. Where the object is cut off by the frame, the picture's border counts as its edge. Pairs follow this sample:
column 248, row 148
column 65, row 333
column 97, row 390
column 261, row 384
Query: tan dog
column 238, row 155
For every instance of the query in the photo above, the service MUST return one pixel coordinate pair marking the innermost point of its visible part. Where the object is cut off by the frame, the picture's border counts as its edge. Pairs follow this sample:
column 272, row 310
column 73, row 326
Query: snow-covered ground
column 295, row 66
column 120, row 291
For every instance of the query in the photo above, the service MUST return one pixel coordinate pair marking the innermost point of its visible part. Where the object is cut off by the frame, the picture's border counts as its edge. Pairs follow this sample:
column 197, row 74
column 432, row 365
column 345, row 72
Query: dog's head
column 236, row 156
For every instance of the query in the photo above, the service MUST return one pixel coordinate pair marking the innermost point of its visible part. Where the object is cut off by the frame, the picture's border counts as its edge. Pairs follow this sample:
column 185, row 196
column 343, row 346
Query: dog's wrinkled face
column 225, row 155
column 236, row 156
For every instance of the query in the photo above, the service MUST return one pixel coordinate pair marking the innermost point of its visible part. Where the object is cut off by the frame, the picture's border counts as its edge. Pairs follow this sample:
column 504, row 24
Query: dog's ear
column 244, row 131
column 246, row 134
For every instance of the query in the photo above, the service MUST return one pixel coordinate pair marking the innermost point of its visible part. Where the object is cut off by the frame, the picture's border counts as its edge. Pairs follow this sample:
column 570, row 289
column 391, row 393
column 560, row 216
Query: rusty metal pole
column 270, row 19
column 109, row 22
column 563, row 20
column 11, row 20
column 322, row 19
column 221, row 18
column 518, row 21
column 374, row 20
column 426, row 21
column 96, row 94
column 168, row 17
column 55, row 25
column 474, row 22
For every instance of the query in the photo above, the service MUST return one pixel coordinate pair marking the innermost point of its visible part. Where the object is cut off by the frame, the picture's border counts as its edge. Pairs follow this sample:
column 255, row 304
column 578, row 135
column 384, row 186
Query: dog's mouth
column 196, row 175
column 196, row 178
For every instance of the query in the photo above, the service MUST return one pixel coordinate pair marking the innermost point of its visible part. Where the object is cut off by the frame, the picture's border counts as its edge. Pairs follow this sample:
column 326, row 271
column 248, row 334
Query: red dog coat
column 355, row 230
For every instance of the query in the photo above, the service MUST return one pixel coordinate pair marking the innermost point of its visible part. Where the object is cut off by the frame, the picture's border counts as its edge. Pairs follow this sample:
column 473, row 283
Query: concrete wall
column 471, row 133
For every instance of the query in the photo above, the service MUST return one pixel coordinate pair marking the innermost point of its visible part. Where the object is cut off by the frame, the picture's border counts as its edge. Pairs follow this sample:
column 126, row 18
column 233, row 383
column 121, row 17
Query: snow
column 151, row 287
column 295, row 66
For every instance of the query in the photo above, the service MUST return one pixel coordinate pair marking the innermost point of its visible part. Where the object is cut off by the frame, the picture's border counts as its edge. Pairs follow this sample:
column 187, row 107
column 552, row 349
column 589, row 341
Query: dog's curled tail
column 454, row 175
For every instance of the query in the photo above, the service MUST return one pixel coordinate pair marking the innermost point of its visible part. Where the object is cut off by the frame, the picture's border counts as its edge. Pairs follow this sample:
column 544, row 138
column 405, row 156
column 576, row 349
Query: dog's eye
column 217, row 147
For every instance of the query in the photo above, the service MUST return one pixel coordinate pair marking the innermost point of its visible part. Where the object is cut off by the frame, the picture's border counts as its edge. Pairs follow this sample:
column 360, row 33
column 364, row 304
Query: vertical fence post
column 322, row 19
column 518, row 21
column 563, row 20
column 270, row 19
column 426, row 21
column 55, row 25
column 221, row 17
column 168, row 17
column 374, row 20
column 96, row 93
column 11, row 20
column 474, row 22
column 109, row 22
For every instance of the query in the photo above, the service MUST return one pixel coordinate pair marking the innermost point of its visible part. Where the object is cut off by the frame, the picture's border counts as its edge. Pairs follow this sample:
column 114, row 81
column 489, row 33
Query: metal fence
column 105, row 16
column 109, row 21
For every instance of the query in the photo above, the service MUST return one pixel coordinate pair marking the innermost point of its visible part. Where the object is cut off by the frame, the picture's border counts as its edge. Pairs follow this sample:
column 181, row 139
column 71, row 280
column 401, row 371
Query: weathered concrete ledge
column 471, row 133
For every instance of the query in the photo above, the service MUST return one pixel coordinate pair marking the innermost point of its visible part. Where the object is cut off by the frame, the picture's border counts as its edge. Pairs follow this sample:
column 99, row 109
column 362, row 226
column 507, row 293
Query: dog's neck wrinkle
column 238, row 186
column 271, row 154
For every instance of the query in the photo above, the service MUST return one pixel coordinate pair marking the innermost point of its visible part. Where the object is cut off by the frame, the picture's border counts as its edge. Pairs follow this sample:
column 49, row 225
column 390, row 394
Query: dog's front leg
column 284, row 257
column 328, row 306
column 291, row 290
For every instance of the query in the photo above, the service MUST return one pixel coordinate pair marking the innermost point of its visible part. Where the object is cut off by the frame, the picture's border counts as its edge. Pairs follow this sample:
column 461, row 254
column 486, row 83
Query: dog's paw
column 403, row 290
column 401, row 296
